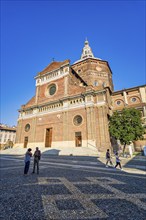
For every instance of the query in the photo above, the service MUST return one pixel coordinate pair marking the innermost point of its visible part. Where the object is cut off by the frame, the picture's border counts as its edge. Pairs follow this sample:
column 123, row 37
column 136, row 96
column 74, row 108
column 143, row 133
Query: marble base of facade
column 61, row 148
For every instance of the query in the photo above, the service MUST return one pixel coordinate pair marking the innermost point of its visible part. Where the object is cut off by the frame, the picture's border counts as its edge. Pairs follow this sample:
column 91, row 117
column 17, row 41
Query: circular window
column 52, row 89
column 27, row 127
column 133, row 99
column 77, row 120
column 118, row 102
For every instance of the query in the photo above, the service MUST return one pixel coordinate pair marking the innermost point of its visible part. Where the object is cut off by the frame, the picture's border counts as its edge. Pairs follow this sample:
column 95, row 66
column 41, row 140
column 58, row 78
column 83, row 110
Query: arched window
column 95, row 83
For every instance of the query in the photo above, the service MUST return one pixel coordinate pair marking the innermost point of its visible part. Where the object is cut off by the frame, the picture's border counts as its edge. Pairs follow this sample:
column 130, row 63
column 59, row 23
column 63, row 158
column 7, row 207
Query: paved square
column 66, row 191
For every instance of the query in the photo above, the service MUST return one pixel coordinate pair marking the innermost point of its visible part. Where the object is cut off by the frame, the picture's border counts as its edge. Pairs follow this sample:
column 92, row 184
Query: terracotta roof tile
column 54, row 65
column 30, row 102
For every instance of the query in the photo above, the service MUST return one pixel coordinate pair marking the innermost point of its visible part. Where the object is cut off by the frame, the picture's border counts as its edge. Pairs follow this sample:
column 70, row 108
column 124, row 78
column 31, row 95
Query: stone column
column 37, row 94
column 33, row 132
column 88, row 124
column 103, row 139
column 125, row 98
column 142, row 91
column 65, row 126
column 66, row 85
column 19, row 132
column 144, row 111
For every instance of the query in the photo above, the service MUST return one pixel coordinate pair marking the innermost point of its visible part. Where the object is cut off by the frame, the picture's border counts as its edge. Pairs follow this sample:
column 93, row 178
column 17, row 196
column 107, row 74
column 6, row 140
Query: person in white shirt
column 118, row 161
column 27, row 159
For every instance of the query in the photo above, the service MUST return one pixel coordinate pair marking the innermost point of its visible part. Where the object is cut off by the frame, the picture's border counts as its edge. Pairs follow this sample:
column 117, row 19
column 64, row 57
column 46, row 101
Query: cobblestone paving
column 70, row 193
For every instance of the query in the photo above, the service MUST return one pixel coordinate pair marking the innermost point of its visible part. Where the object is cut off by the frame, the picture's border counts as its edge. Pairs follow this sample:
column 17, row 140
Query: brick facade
column 72, row 105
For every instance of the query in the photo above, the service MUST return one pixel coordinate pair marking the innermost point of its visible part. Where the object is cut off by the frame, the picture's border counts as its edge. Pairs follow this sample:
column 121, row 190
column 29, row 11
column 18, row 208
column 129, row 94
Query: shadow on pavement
column 137, row 162
column 64, row 191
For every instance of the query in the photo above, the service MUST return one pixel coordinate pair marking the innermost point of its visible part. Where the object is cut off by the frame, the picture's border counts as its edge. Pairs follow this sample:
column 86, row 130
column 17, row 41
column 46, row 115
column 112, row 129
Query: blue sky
column 34, row 32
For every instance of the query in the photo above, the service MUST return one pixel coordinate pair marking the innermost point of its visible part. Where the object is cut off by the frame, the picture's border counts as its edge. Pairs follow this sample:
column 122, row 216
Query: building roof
column 7, row 128
column 77, row 76
column 128, row 89
column 54, row 66
column 29, row 104
column 31, row 101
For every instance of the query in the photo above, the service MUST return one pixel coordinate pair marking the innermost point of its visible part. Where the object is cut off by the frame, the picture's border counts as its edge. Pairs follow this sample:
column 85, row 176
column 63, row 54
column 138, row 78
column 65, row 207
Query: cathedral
column 70, row 110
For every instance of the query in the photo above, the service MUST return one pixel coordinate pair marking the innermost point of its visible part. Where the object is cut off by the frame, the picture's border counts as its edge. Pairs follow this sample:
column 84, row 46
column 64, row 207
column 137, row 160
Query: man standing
column 108, row 158
column 28, row 156
column 37, row 157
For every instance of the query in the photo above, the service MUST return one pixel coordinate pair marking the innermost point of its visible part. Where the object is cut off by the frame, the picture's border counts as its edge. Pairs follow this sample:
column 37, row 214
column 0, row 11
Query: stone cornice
column 54, row 70
column 67, row 98
column 129, row 89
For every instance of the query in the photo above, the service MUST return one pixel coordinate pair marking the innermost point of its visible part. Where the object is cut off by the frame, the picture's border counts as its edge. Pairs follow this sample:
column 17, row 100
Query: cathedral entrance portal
column 25, row 142
column 48, row 139
column 78, row 139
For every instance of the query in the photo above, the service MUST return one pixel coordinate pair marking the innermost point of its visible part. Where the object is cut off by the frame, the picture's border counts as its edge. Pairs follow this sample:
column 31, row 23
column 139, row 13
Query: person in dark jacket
column 108, row 158
column 27, row 159
column 37, row 157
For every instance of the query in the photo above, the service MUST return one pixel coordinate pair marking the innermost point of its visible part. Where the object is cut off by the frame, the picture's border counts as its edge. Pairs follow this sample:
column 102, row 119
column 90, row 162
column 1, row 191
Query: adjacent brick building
column 7, row 136
column 72, row 105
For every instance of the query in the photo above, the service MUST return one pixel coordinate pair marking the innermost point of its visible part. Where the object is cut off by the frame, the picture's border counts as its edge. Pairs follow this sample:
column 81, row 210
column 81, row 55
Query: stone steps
column 75, row 151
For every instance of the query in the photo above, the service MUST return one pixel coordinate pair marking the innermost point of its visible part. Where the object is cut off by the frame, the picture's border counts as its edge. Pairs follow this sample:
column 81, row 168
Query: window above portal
column 27, row 127
column 52, row 89
column 77, row 120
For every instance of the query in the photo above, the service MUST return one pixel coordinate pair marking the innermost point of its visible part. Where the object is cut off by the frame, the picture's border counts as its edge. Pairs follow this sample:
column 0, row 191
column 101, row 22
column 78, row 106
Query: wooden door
column 25, row 142
column 78, row 139
column 48, row 140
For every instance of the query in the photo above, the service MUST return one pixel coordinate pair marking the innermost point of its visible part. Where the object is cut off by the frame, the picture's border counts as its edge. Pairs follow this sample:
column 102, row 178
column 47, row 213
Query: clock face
column 27, row 127
column 52, row 89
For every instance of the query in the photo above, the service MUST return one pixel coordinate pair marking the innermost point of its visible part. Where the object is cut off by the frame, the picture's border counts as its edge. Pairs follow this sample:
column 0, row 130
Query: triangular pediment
column 54, row 66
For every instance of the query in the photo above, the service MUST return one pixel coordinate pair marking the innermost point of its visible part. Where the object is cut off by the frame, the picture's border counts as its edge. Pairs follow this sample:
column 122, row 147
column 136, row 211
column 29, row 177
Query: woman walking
column 118, row 163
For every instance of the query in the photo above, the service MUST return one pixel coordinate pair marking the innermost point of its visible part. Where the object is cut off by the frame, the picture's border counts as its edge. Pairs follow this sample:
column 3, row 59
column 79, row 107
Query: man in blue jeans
column 27, row 159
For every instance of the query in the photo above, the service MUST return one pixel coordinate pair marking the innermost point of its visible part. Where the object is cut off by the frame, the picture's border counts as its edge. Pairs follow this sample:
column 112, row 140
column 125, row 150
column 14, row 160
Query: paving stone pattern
column 70, row 194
